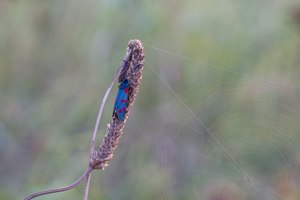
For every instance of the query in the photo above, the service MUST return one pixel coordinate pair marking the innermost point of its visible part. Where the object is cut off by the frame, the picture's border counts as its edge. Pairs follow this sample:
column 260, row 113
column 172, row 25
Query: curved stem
column 62, row 189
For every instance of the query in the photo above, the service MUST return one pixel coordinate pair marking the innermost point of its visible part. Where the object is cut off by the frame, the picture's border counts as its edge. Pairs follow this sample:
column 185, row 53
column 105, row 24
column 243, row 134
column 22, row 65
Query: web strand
column 250, row 180
column 256, row 184
column 198, row 61
column 225, row 151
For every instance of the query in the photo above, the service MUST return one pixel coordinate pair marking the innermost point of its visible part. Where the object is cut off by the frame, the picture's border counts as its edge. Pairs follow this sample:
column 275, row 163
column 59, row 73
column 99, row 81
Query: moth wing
column 121, row 103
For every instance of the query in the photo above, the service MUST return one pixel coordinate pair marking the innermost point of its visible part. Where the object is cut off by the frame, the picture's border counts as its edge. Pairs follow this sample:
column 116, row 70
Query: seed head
column 132, row 71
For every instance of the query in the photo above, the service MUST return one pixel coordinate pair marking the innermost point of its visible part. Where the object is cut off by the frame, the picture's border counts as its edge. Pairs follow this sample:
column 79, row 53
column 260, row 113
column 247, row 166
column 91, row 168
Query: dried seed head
column 132, row 71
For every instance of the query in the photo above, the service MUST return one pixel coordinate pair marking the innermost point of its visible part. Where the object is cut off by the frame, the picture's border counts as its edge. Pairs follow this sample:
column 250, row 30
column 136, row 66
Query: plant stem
column 62, row 189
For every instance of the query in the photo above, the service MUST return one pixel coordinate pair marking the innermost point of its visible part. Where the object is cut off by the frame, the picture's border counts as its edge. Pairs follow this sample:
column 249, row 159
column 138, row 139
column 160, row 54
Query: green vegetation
column 230, row 65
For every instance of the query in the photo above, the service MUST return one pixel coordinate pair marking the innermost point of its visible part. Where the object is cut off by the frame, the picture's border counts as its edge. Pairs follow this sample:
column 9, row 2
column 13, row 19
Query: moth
column 121, row 102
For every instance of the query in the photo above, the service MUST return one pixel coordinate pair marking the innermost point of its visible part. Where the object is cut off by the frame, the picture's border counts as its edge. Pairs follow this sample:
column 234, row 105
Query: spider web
column 237, row 136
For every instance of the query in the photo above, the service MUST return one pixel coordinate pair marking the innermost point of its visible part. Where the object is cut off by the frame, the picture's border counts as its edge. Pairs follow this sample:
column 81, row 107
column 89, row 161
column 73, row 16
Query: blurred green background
column 232, row 66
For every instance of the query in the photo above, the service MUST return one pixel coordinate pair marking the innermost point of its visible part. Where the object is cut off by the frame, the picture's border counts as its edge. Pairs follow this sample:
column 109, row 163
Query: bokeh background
column 217, row 116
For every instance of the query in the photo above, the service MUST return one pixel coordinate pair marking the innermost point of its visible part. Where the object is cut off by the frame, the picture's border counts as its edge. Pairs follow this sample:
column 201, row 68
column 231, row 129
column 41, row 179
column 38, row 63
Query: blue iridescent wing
column 121, row 102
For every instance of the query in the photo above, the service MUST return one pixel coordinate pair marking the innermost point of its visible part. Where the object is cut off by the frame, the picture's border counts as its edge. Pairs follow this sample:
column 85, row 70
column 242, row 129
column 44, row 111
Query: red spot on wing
column 126, row 90
column 120, row 111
